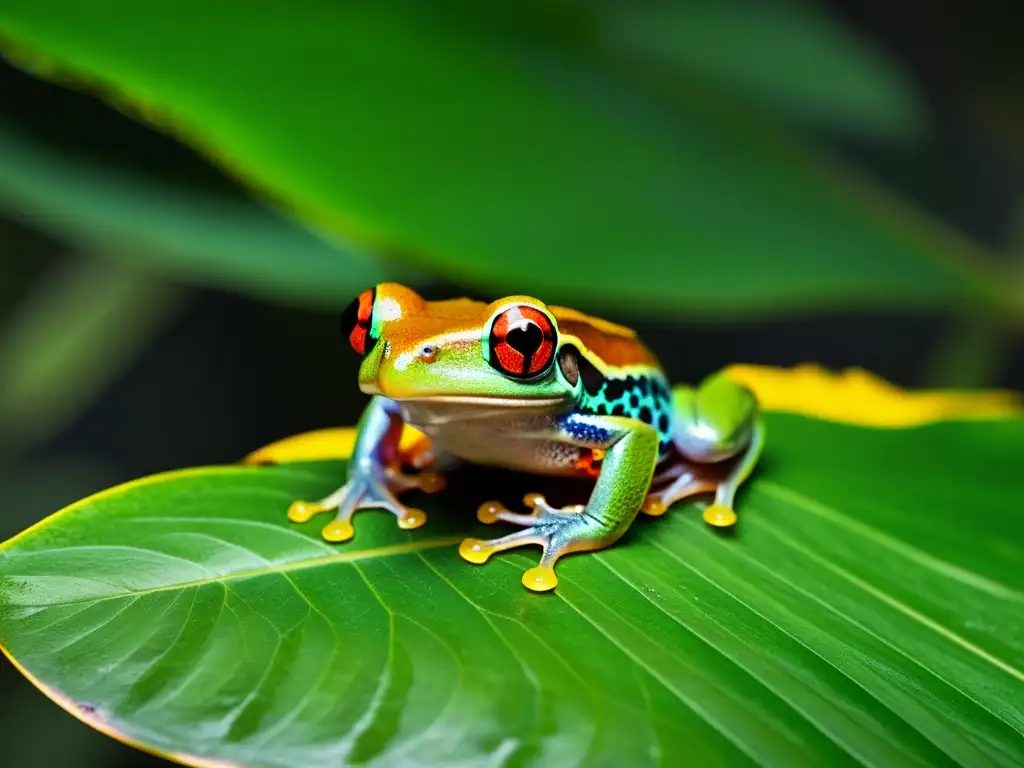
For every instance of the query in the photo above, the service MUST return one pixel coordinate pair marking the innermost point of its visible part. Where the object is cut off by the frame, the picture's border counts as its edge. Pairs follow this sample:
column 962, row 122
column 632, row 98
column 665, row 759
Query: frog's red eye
column 521, row 342
column 357, row 322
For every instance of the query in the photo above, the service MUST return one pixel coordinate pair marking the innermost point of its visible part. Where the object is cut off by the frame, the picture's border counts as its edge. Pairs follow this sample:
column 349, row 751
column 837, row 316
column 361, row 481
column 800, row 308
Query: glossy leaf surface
column 506, row 146
column 867, row 612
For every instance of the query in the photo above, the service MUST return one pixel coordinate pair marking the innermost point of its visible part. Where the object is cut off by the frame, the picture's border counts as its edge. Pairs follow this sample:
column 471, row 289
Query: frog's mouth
column 433, row 411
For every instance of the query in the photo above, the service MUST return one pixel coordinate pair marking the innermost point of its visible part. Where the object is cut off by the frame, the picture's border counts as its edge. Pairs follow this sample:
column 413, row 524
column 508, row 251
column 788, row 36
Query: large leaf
column 513, row 147
column 867, row 612
column 108, row 183
column 793, row 57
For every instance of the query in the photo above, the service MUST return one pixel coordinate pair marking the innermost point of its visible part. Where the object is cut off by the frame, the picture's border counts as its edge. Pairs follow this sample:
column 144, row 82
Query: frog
column 520, row 385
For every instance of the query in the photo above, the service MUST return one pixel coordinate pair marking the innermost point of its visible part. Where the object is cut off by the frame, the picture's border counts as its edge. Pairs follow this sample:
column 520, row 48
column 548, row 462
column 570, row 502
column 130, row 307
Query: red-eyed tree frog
column 540, row 389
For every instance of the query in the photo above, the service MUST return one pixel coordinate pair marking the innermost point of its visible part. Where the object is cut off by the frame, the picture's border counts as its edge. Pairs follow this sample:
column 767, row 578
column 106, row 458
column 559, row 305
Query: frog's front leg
column 719, row 421
column 374, row 476
column 625, row 477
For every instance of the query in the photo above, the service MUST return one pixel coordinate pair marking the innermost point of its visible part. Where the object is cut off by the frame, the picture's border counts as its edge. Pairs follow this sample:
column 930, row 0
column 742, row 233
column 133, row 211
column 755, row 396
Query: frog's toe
column 409, row 518
column 540, row 579
column 431, row 482
column 428, row 482
column 535, row 501
column 494, row 511
column 658, row 503
column 304, row 511
column 475, row 551
column 653, row 506
column 478, row 551
column 488, row 512
column 338, row 531
column 541, row 508
column 557, row 531
column 720, row 516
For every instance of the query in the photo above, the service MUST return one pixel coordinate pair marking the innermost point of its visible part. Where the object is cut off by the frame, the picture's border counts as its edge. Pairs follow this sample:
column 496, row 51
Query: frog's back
column 614, row 345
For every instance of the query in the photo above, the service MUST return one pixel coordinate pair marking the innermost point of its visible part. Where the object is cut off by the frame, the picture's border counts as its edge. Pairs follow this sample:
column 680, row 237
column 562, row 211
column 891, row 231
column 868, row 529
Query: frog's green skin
column 547, row 390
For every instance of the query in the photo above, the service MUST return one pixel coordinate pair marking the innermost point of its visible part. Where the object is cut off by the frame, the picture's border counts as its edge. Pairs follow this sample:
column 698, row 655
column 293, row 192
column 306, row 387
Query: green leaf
column 867, row 612
column 792, row 57
column 210, row 237
column 511, row 148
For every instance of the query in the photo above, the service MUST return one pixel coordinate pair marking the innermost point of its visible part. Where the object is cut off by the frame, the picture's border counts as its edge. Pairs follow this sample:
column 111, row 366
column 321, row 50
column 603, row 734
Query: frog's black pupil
column 350, row 319
column 357, row 322
column 525, row 339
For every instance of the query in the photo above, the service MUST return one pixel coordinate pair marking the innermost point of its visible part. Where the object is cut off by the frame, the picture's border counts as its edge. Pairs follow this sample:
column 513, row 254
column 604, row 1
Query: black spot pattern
column 614, row 389
column 593, row 379
column 645, row 398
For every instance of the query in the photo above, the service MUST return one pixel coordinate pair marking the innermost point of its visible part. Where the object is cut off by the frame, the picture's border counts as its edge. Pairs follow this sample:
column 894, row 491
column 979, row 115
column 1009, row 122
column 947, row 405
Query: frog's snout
column 369, row 371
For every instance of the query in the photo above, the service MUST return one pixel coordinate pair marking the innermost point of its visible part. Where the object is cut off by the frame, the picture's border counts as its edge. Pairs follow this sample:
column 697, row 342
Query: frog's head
column 457, row 351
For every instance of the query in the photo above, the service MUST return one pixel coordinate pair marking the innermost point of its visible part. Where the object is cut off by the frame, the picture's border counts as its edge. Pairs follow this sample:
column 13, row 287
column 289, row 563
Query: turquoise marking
column 646, row 398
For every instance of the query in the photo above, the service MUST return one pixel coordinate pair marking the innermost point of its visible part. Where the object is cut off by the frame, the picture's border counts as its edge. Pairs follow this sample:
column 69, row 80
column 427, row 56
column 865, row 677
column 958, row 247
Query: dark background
column 229, row 373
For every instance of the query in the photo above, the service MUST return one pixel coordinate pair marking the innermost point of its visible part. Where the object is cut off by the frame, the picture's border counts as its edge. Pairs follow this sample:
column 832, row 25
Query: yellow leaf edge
column 852, row 396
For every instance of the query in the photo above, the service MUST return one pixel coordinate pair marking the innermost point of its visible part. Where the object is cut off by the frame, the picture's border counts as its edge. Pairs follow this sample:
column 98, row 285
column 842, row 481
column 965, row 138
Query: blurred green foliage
column 53, row 366
column 635, row 156
column 172, row 229
column 644, row 157
column 527, row 145
column 792, row 58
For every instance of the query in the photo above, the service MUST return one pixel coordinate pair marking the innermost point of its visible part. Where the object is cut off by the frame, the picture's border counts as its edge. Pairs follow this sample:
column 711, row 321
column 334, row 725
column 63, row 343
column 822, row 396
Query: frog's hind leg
column 683, row 481
column 721, row 513
column 695, row 478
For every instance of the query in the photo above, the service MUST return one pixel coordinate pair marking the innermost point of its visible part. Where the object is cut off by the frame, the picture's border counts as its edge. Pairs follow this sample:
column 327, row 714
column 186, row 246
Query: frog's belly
column 540, row 456
column 520, row 441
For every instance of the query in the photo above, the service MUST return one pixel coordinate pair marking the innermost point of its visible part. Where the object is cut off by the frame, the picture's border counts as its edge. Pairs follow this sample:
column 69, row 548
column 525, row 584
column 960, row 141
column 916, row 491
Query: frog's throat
column 435, row 412
column 491, row 402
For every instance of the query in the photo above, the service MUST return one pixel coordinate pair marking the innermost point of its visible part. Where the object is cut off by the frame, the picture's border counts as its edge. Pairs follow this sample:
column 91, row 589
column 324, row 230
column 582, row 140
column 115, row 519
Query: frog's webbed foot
column 419, row 455
column 720, row 515
column 723, row 478
column 368, row 490
column 558, row 531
